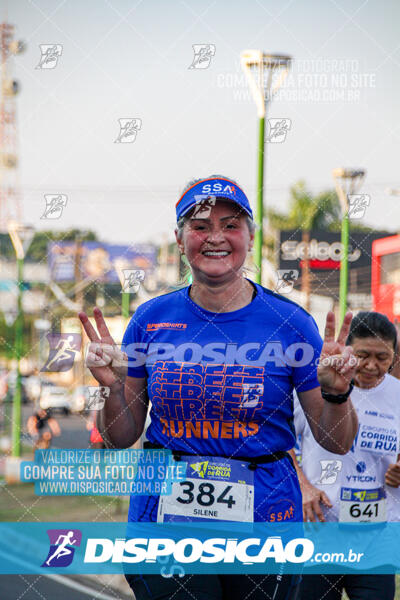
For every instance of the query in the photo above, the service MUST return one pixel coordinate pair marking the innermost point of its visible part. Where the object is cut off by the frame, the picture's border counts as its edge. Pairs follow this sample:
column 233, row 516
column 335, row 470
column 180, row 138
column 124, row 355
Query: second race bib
column 362, row 506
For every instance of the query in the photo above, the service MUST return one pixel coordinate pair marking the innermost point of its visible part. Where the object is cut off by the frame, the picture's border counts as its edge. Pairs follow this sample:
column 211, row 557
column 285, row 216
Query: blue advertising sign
column 98, row 261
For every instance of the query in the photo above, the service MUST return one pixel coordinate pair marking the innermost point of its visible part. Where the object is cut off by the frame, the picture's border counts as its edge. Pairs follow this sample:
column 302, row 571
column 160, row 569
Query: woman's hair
column 181, row 222
column 372, row 324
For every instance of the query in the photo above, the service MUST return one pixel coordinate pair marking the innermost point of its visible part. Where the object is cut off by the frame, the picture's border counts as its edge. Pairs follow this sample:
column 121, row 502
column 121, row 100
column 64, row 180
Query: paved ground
column 37, row 587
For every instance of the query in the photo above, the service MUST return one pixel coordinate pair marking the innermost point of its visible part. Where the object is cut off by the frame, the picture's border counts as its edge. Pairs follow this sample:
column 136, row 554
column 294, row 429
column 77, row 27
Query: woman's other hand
column 313, row 498
column 106, row 362
column 337, row 363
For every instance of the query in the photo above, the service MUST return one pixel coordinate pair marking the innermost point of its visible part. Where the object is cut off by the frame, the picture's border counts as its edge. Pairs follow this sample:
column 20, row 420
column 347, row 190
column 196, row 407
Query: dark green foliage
column 308, row 211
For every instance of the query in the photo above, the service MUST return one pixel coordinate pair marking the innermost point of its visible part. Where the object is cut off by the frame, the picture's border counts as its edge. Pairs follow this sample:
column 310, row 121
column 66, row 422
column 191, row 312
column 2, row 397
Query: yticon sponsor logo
column 251, row 353
column 361, row 478
column 191, row 550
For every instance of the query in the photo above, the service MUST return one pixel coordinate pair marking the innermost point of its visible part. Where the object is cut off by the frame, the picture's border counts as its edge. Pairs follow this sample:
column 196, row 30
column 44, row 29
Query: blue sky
column 130, row 59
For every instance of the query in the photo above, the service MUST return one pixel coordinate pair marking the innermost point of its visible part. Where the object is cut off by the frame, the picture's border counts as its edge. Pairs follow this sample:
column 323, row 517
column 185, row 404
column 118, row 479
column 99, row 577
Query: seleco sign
column 322, row 255
column 325, row 250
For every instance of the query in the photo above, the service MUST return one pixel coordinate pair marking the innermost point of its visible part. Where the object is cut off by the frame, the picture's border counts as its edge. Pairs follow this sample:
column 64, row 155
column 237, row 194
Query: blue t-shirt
column 221, row 383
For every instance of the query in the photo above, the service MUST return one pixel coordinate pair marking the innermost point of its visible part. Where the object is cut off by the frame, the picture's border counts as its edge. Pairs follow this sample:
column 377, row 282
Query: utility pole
column 21, row 238
column 265, row 74
column 79, row 296
column 10, row 206
column 347, row 182
column 305, row 271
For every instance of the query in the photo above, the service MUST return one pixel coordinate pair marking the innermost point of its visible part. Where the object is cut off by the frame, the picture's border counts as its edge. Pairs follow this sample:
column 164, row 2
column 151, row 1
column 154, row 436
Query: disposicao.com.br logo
column 192, row 550
column 198, row 554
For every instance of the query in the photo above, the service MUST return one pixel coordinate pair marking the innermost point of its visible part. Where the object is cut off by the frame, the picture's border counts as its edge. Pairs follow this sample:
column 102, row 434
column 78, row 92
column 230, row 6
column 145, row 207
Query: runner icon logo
column 251, row 394
column 330, row 470
column 128, row 129
column 55, row 203
column 278, row 129
column 286, row 280
column 50, row 53
column 132, row 280
column 203, row 207
column 358, row 204
column 96, row 397
column 62, row 547
column 63, row 347
column 203, row 54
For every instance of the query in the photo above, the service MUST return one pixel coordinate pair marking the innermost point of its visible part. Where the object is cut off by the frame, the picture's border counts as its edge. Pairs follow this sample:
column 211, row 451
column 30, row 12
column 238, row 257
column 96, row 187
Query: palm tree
column 307, row 212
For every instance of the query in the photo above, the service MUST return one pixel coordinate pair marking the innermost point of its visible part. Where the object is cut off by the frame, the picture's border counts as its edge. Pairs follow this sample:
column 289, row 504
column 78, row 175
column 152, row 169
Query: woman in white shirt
column 331, row 483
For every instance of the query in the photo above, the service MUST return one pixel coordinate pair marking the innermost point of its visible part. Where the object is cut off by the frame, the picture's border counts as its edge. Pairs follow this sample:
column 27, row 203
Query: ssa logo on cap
column 214, row 188
column 219, row 187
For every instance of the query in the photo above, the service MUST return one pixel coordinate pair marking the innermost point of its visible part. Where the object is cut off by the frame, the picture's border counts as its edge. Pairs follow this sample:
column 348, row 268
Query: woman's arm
column 392, row 475
column 334, row 426
column 121, row 421
column 312, row 496
column 122, row 418
column 395, row 370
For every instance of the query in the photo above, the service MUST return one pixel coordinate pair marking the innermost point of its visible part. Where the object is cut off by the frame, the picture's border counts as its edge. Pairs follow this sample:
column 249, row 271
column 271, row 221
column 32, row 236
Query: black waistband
column 254, row 460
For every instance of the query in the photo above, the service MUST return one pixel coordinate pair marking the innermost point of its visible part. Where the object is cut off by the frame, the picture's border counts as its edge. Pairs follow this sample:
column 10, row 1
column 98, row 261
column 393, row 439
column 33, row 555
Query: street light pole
column 125, row 305
column 344, row 267
column 121, row 265
column 21, row 237
column 347, row 182
column 259, row 233
column 265, row 74
column 19, row 328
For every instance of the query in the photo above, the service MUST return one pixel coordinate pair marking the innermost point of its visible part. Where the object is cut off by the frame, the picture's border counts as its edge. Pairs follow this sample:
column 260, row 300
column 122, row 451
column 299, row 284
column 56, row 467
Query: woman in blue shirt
column 219, row 361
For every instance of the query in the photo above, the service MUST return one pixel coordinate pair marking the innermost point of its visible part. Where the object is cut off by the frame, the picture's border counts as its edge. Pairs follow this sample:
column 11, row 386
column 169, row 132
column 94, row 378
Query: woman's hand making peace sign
column 107, row 363
column 337, row 363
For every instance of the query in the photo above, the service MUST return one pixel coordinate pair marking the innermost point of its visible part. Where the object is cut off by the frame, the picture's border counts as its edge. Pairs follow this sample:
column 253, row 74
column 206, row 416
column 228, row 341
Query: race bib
column 362, row 506
column 214, row 489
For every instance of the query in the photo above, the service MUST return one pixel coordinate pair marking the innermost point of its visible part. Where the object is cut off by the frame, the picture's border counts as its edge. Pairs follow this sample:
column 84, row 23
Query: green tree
column 38, row 249
column 308, row 211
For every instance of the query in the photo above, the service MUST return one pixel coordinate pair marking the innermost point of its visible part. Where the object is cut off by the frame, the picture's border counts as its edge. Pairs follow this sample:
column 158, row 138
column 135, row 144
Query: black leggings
column 215, row 587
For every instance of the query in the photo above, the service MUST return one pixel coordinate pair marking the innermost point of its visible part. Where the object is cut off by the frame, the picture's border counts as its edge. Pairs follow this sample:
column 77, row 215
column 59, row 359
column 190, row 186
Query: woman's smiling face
column 375, row 359
column 216, row 246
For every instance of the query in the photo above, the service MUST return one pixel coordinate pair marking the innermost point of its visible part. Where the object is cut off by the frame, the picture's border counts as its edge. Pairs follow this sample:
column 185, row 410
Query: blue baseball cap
column 218, row 187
